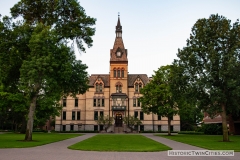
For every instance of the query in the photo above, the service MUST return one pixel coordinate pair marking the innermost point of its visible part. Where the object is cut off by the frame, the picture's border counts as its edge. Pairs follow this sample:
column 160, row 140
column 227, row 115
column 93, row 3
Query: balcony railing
column 122, row 108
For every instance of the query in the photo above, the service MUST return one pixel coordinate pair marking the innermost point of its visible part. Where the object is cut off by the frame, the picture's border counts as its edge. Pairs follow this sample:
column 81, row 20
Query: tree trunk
column 28, row 136
column 224, row 123
column 169, row 126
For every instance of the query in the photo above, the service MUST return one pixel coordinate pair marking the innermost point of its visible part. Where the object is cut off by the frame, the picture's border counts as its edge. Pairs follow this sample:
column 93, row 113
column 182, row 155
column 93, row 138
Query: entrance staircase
column 118, row 129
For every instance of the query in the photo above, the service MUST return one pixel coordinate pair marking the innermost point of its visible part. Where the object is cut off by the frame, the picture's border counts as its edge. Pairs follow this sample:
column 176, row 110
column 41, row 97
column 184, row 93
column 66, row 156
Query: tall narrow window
column 114, row 102
column 136, row 87
column 100, row 89
column 64, row 115
column 94, row 102
column 114, row 73
column 95, row 115
column 98, row 102
column 141, row 115
column 78, row 115
column 64, row 102
column 118, row 73
column 159, row 117
column 76, row 102
column 120, row 89
column 122, row 73
column 102, row 102
column 138, row 102
column 135, row 114
column 140, row 86
column 159, row 128
column 73, row 115
column 117, row 89
column 134, row 102
column 71, row 127
column 97, row 88
column 101, row 113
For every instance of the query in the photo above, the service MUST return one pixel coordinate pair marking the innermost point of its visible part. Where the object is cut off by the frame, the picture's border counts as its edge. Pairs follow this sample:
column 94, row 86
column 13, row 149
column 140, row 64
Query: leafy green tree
column 132, row 122
column 210, row 67
column 35, row 55
column 157, row 95
column 106, row 121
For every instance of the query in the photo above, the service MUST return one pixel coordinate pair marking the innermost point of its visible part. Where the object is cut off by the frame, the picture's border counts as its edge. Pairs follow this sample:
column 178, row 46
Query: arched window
column 140, row 86
column 100, row 87
column 118, row 73
column 136, row 87
column 114, row 73
column 122, row 73
column 118, row 87
column 97, row 87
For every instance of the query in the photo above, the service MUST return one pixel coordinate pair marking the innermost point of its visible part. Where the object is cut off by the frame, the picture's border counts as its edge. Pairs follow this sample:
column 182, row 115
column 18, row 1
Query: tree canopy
column 210, row 66
column 36, row 55
column 157, row 95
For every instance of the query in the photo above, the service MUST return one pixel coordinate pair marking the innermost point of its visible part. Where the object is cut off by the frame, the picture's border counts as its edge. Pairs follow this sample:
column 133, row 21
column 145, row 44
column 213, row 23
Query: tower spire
column 118, row 27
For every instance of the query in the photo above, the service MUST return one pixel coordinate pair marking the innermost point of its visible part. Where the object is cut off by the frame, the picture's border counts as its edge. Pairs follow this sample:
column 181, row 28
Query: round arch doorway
column 118, row 120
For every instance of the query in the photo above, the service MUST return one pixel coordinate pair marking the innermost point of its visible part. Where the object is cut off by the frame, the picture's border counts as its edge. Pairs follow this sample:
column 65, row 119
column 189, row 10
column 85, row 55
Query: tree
column 157, row 95
column 132, row 122
column 35, row 55
column 210, row 67
column 105, row 121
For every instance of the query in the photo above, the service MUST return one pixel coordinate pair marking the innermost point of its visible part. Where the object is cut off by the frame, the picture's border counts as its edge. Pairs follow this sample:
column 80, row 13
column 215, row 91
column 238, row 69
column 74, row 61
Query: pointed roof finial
column 118, row 14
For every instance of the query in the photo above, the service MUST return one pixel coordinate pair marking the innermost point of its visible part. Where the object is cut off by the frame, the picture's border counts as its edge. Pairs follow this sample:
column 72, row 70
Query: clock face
column 119, row 54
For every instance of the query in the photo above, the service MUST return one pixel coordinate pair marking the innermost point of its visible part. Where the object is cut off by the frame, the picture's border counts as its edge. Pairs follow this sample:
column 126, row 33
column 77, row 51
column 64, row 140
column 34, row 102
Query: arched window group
column 118, row 87
column 138, row 86
column 118, row 72
column 99, row 87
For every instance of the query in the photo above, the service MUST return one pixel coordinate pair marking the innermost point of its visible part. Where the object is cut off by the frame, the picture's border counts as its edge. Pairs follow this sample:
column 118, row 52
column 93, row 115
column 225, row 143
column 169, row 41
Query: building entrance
column 118, row 120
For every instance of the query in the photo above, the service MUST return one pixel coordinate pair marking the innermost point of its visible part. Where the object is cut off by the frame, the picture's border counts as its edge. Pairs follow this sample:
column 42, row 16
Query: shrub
column 190, row 132
column 212, row 129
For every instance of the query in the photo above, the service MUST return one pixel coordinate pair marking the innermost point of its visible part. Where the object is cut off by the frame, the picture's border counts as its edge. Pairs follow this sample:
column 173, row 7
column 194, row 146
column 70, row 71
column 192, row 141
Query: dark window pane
column 120, row 89
column 100, row 88
column 159, row 117
column 101, row 113
column 102, row 102
column 114, row 75
column 95, row 115
column 71, row 127
column 134, row 102
column 141, row 127
column 78, row 115
column 135, row 114
column 101, row 127
column 159, row 127
column 171, row 128
column 76, row 102
column 141, row 116
column 94, row 102
column 64, row 127
column 64, row 102
column 64, row 115
column 138, row 102
column 98, row 103
column 73, row 115
column 95, row 127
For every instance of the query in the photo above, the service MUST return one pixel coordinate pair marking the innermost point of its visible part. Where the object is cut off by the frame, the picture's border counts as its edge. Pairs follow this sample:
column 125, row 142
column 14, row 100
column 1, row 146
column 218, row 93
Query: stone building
column 115, row 94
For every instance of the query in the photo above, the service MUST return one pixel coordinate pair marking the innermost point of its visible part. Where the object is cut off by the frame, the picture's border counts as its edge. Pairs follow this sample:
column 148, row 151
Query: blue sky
column 152, row 30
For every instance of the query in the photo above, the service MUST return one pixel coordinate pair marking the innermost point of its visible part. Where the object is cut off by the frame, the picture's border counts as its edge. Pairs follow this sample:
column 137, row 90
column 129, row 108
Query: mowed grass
column 13, row 140
column 211, row 142
column 120, row 143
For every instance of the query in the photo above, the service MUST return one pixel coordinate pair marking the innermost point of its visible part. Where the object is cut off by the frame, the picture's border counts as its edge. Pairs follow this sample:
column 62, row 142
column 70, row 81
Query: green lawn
column 120, row 143
column 211, row 142
column 13, row 140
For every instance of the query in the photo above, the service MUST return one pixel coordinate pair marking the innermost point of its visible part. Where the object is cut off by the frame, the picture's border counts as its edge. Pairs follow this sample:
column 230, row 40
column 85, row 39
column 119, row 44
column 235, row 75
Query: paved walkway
column 59, row 151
